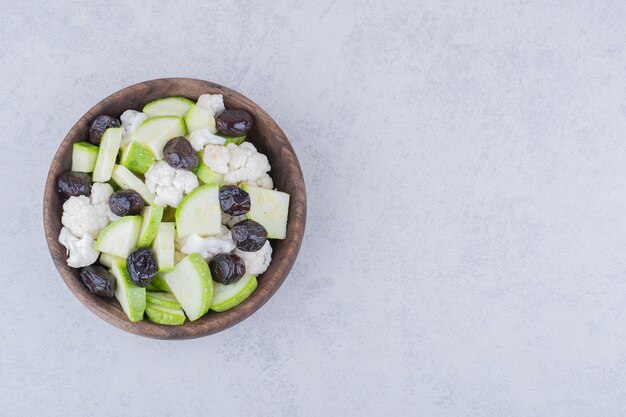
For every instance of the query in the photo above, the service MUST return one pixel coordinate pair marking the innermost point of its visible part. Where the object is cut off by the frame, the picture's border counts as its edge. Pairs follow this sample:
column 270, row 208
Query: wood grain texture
column 286, row 173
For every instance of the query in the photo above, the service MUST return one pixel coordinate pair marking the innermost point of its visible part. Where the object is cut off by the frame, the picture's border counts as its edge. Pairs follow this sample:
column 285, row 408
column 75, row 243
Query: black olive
column 126, row 203
column 179, row 153
column 234, row 200
column 234, row 122
column 99, row 125
column 98, row 280
column 248, row 235
column 73, row 183
column 227, row 268
column 142, row 266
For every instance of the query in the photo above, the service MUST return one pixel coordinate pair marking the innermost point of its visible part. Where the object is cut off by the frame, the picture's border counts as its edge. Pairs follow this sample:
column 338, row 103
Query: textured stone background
column 466, row 172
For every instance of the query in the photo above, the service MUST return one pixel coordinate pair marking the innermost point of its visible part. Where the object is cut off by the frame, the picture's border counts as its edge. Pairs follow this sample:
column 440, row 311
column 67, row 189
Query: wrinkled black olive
column 227, row 268
column 126, row 203
column 99, row 125
column 248, row 235
column 234, row 200
column 234, row 122
column 99, row 280
column 142, row 266
column 73, row 183
column 179, row 153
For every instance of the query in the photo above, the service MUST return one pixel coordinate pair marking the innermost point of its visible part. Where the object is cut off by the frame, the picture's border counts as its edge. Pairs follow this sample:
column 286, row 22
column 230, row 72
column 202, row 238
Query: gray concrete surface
column 466, row 243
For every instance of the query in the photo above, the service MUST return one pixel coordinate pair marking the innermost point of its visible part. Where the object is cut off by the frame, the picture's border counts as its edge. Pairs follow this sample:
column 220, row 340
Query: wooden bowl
column 286, row 173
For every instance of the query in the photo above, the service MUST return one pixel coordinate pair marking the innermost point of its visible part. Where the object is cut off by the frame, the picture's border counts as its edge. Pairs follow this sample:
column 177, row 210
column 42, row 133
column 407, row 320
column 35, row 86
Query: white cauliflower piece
column 81, row 217
column 169, row 184
column 131, row 119
column 208, row 247
column 256, row 262
column 100, row 194
column 245, row 164
column 216, row 157
column 264, row 181
column 230, row 221
column 212, row 102
column 202, row 137
column 239, row 164
column 81, row 251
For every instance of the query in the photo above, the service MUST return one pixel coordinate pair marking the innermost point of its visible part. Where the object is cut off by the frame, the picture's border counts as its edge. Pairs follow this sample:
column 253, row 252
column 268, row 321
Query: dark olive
column 126, row 203
column 248, row 235
column 142, row 266
column 234, row 122
column 179, row 153
column 72, row 183
column 99, row 280
column 227, row 268
column 99, row 125
column 234, row 200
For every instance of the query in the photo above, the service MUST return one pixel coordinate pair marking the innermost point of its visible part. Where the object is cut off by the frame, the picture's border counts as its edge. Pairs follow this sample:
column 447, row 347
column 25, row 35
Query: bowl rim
column 213, row 322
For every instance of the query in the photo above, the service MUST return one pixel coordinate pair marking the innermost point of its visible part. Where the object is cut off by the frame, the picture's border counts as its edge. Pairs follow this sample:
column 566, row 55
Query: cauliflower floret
column 264, row 181
column 239, row 164
column 213, row 102
column 230, row 221
column 81, row 251
column 208, row 247
column 186, row 181
column 256, row 262
column 89, row 215
column 81, row 217
column 100, row 194
column 216, row 157
column 202, row 137
column 246, row 164
column 169, row 184
column 131, row 119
